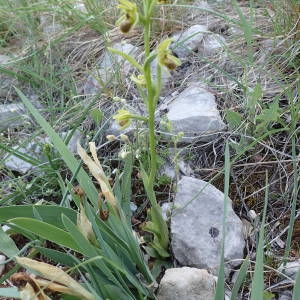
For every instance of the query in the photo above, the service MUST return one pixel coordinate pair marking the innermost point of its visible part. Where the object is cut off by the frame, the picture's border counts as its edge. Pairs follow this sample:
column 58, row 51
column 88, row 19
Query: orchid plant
column 150, row 88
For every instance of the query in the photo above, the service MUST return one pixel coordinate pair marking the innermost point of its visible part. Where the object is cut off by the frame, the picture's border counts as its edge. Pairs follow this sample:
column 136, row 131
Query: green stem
column 151, row 94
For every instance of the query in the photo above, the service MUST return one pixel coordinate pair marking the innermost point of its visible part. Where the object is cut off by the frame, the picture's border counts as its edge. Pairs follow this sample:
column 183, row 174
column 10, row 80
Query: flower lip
column 123, row 117
column 129, row 16
column 165, row 56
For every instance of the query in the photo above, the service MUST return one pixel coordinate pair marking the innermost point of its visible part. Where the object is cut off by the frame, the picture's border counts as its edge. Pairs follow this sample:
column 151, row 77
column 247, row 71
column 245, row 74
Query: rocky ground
column 227, row 90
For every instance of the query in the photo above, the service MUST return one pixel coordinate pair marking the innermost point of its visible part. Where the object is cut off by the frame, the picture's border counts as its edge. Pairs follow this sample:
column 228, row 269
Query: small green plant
column 150, row 89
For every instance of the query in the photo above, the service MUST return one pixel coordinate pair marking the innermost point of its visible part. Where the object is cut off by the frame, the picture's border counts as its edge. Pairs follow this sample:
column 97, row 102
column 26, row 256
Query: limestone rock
column 166, row 210
column 212, row 44
column 6, row 82
column 186, row 284
column 2, row 265
column 4, row 59
column 34, row 150
column 196, row 226
column 169, row 169
column 15, row 114
column 291, row 268
column 110, row 65
column 286, row 295
column 49, row 26
column 194, row 113
column 188, row 41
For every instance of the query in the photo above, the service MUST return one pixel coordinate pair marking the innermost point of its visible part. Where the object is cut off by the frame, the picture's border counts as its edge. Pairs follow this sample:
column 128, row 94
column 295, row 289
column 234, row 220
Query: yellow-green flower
column 165, row 57
column 129, row 15
column 139, row 80
column 123, row 117
column 111, row 137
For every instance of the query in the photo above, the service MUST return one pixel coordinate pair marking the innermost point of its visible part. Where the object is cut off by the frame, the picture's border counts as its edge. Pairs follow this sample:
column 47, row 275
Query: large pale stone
column 188, row 41
column 196, row 226
column 194, row 113
column 212, row 44
column 186, row 284
column 109, row 67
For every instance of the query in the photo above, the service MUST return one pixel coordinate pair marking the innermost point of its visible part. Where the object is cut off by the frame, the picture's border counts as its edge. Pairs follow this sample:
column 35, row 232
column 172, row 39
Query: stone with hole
column 196, row 227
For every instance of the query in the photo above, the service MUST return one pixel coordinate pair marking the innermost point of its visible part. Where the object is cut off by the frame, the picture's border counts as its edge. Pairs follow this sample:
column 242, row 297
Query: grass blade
column 49, row 213
column 240, row 279
column 257, row 291
column 221, row 275
column 296, row 291
column 47, row 231
column 294, row 202
column 7, row 245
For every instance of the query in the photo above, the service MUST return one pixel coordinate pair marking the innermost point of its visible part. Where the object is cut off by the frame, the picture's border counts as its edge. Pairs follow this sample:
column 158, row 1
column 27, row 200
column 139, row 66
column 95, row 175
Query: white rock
column 252, row 214
column 196, row 226
column 185, row 168
column 168, row 170
column 194, row 113
column 227, row 295
column 72, row 145
column 110, row 65
column 5, row 228
column 79, row 5
column 133, row 206
column 49, row 26
column 291, row 268
column 15, row 163
column 236, row 31
column 166, row 210
column 34, row 150
column 286, row 295
column 4, row 59
column 212, row 44
column 13, row 115
column 188, row 41
column 2, row 265
column 186, row 284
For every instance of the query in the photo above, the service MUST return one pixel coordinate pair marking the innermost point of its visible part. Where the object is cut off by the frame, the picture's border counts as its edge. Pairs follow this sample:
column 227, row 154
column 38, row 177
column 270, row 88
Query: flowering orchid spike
column 123, row 117
column 129, row 16
column 165, row 57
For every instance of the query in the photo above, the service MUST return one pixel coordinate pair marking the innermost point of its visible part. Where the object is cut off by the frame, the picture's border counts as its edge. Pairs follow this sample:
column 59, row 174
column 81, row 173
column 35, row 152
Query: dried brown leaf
column 57, row 275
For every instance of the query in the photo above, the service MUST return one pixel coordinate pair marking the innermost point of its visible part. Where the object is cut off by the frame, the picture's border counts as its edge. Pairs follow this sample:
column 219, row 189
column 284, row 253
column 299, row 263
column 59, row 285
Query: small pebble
column 2, row 265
